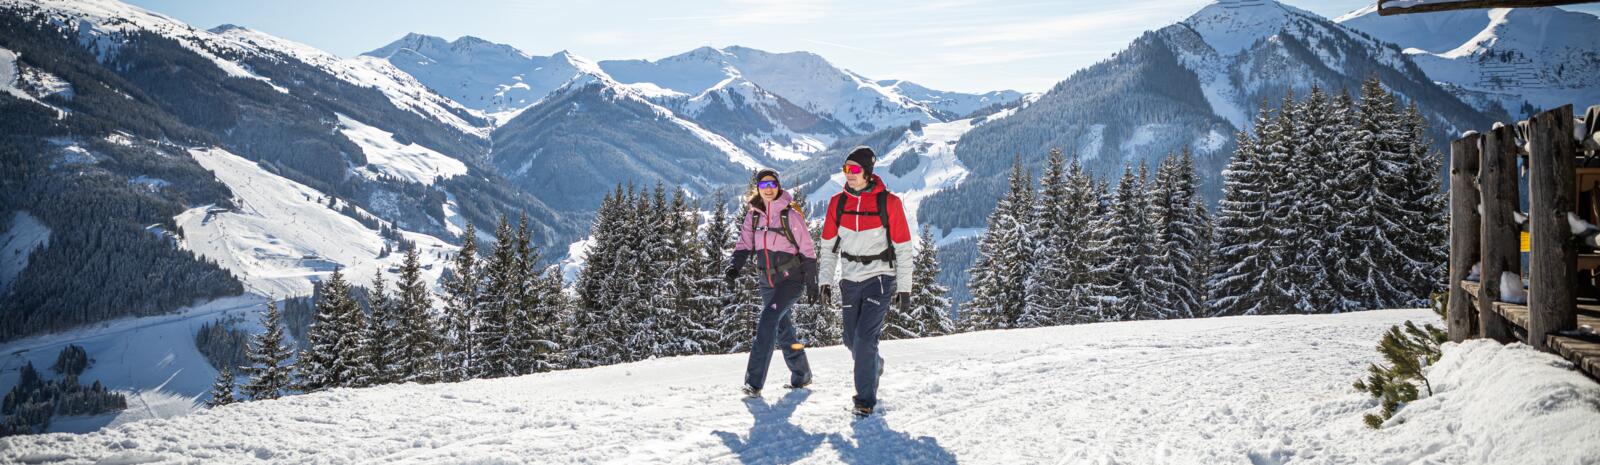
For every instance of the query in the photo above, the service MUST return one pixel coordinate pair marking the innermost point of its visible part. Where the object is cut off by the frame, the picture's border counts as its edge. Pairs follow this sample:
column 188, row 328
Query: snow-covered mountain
column 1516, row 59
column 1190, row 85
column 806, row 79
column 1179, row 391
column 497, row 79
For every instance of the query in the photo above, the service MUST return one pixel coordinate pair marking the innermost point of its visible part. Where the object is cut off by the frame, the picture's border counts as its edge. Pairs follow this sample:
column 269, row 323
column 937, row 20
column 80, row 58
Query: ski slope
column 1240, row 390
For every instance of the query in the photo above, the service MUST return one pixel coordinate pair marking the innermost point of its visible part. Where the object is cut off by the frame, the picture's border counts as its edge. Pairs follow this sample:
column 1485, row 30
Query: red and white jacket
column 863, row 235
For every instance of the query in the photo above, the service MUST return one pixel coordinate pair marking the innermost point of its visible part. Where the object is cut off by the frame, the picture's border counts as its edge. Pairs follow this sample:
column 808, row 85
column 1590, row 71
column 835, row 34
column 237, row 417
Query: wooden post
column 1552, row 194
column 1464, row 234
column 1501, row 252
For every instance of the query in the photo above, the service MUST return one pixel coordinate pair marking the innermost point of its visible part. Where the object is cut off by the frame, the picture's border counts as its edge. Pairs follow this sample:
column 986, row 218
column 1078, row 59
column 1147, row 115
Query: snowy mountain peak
column 1231, row 26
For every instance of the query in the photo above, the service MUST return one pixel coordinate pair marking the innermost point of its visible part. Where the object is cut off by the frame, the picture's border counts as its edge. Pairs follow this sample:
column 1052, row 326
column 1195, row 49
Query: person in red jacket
column 866, row 248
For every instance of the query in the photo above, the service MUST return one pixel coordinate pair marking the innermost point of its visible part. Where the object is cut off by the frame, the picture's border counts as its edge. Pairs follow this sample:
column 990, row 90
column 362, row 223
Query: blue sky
column 961, row 45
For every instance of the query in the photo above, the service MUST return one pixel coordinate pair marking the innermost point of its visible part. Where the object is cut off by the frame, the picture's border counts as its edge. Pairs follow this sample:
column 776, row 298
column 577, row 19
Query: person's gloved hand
column 732, row 274
column 813, row 294
column 902, row 302
column 827, row 293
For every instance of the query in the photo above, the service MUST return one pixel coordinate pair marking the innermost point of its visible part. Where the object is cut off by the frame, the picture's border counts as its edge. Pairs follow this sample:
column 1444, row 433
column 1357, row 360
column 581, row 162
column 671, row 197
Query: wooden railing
column 1562, row 308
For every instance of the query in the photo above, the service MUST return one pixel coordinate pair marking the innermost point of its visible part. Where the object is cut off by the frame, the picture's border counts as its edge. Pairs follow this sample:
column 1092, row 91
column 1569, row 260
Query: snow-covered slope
column 283, row 237
column 403, row 90
column 1512, row 57
column 387, row 156
column 22, row 235
column 30, row 84
column 936, row 167
column 1266, row 389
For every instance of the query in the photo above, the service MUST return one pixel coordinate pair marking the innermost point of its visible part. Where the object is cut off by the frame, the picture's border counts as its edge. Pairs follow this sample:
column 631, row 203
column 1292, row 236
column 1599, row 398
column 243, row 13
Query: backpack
column 883, row 217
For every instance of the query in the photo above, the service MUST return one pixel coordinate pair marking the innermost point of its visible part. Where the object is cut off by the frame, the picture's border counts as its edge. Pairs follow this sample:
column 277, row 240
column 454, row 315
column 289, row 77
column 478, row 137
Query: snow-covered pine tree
column 382, row 334
column 1423, row 245
column 646, row 309
column 1137, row 276
column 1244, row 265
column 930, row 310
column 417, row 355
column 1179, row 214
column 711, row 295
column 738, row 321
column 1373, row 218
column 553, row 311
column 588, row 342
column 679, row 261
column 335, row 335
column 269, row 370
column 1092, row 296
column 222, row 389
column 531, row 336
column 1004, row 252
column 1048, row 289
column 1286, row 217
column 463, row 290
column 1317, row 128
column 492, row 354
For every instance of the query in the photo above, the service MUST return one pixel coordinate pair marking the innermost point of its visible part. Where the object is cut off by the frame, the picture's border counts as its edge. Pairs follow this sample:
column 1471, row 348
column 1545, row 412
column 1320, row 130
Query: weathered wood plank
column 1552, row 192
column 1584, row 355
column 1500, row 249
column 1393, row 7
column 1465, row 230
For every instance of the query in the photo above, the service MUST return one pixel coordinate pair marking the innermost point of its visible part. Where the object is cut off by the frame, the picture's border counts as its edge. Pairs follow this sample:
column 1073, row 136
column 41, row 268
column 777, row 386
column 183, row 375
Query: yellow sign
column 1524, row 237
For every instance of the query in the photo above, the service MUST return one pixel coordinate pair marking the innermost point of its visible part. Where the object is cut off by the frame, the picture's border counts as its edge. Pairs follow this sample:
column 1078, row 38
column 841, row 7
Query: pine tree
column 382, row 335
column 929, row 313
column 1318, row 128
column 463, row 290
column 531, row 340
column 1180, row 219
column 269, row 368
column 711, row 296
column 589, row 340
column 1001, row 270
column 417, row 357
column 222, row 390
column 1424, row 206
column 1049, row 287
column 1247, row 276
column 1138, row 277
column 492, row 354
column 1373, row 219
column 335, row 357
column 1092, row 297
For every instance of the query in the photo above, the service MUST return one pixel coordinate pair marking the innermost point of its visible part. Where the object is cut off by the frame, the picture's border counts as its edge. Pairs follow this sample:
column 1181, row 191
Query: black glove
column 739, row 257
column 813, row 294
column 827, row 293
column 902, row 302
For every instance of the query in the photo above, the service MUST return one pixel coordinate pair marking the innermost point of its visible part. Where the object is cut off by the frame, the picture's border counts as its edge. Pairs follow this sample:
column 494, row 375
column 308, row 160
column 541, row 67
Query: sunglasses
column 852, row 169
column 767, row 185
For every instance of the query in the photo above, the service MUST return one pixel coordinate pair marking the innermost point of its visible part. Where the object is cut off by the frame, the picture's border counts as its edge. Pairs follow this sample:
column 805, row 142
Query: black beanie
column 863, row 156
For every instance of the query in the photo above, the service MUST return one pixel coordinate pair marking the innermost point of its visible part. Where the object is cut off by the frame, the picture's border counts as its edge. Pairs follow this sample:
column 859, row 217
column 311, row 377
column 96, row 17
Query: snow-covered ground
column 1246, row 390
column 283, row 237
column 388, row 157
column 152, row 359
column 22, row 235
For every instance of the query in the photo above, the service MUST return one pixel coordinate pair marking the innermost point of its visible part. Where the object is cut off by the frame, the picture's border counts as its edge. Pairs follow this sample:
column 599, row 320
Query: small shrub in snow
column 1407, row 349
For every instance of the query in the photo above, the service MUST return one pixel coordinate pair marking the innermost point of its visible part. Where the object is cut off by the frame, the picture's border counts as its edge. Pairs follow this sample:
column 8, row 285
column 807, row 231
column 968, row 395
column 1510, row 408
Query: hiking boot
column 751, row 393
column 799, row 385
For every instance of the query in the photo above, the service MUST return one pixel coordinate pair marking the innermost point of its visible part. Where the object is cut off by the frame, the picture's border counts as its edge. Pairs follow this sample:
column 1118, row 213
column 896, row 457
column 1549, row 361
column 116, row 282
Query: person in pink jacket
column 774, row 234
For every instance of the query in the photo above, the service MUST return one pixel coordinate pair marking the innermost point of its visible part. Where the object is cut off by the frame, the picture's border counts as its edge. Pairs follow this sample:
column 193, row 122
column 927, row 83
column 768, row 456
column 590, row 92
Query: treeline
column 1332, row 205
column 29, row 406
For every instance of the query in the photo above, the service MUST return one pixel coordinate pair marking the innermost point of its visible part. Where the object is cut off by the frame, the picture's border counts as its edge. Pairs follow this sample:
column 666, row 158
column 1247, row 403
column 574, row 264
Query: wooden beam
column 1501, row 245
column 1465, row 231
column 1400, row 7
column 1552, row 195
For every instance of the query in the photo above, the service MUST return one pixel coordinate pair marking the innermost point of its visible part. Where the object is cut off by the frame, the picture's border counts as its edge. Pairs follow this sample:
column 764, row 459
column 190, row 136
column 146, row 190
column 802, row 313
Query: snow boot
column 799, row 385
column 751, row 393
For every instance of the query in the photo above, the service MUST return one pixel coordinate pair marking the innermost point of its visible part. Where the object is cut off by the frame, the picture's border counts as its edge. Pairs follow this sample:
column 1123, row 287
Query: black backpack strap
column 883, row 216
column 838, row 221
column 787, row 234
